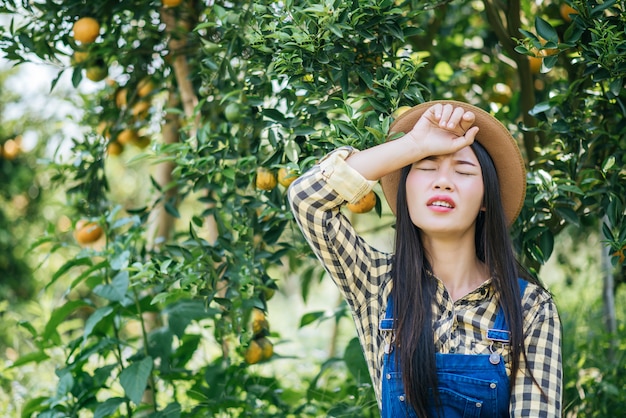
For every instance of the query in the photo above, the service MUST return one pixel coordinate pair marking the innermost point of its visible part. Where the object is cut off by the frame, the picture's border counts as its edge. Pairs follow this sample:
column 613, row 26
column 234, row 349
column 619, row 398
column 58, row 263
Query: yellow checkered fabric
column 362, row 274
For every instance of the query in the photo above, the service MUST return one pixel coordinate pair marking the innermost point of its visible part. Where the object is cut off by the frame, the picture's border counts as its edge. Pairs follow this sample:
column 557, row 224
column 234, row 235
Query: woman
column 446, row 325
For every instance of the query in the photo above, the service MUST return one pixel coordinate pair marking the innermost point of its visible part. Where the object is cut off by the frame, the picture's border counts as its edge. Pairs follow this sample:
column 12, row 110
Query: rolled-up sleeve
column 316, row 198
column 538, row 386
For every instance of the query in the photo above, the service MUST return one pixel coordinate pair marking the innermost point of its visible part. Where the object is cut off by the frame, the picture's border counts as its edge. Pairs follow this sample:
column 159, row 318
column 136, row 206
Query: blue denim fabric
column 469, row 385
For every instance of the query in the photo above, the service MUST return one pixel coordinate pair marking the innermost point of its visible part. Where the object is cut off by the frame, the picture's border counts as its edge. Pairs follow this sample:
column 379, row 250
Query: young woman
column 447, row 326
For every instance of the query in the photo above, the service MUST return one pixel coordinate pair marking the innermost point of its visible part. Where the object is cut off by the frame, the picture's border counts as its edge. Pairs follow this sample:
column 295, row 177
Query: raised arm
column 441, row 130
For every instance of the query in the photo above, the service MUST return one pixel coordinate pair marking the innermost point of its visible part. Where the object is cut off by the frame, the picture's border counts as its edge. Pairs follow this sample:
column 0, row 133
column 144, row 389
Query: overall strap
column 500, row 330
column 387, row 323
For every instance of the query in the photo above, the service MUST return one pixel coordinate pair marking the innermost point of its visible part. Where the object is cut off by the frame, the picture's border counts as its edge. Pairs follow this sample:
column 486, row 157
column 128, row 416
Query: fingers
column 452, row 118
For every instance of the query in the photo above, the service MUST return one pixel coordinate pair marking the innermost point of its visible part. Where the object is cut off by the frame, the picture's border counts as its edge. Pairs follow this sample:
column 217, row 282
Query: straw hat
column 493, row 136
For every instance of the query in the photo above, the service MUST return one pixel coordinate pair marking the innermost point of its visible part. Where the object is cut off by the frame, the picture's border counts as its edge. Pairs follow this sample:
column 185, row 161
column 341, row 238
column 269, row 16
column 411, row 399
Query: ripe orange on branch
column 171, row 3
column 114, row 148
column 365, row 204
column 535, row 64
column 145, row 87
column 86, row 30
column 265, row 179
column 286, row 176
column 127, row 136
column 87, row 232
column 259, row 349
column 566, row 10
column 259, row 322
column 399, row 111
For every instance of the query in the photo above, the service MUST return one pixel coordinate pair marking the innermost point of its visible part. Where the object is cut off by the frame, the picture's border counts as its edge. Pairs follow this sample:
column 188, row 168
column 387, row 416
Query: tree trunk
column 608, row 299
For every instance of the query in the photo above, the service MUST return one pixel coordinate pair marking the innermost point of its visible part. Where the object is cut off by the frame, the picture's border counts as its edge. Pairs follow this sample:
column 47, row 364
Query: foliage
column 577, row 179
column 191, row 246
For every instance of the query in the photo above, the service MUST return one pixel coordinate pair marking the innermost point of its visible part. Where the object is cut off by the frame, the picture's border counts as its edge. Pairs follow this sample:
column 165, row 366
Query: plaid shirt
column 363, row 276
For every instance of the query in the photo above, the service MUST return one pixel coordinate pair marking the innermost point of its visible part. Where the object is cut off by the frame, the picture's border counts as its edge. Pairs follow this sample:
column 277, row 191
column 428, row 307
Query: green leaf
column 95, row 318
column 598, row 10
column 310, row 317
column 37, row 357
column 87, row 273
column 84, row 261
column 66, row 383
column 545, row 30
column 116, row 291
column 540, row 108
column 34, row 405
column 608, row 163
column 171, row 209
column 292, row 150
column 173, row 410
column 59, row 315
column 134, row 379
column 546, row 244
column 181, row 313
column 108, row 407
column 568, row 214
column 353, row 357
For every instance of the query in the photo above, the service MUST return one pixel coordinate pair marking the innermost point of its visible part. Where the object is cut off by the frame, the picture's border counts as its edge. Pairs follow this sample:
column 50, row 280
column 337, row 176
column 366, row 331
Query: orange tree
column 218, row 96
column 208, row 93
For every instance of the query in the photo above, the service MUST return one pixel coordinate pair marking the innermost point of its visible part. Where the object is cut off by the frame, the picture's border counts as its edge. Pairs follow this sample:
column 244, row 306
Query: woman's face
column 445, row 193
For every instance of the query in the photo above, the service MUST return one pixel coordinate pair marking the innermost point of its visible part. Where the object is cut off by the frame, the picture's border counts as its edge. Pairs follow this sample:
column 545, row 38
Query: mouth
column 441, row 202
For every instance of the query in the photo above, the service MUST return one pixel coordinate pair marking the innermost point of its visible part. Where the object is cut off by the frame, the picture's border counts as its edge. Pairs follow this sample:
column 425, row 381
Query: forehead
column 464, row 154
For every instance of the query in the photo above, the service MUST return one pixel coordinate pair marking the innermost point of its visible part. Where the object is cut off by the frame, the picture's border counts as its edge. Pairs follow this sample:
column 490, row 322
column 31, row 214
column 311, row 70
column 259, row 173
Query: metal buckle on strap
column 386, row 324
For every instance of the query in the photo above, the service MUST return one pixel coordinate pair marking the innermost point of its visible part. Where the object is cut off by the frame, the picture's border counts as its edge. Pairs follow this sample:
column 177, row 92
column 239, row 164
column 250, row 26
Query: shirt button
column 388, row 376
column 401, row 398
column 493, row 386
column 452, row 349
column 478, row 404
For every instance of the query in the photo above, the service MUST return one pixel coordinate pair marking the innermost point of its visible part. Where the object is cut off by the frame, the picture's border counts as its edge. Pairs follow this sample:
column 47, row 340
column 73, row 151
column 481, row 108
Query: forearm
column 380, row 160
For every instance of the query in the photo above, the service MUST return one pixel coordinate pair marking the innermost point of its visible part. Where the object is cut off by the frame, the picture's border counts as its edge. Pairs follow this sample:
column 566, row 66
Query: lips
column 443, row 202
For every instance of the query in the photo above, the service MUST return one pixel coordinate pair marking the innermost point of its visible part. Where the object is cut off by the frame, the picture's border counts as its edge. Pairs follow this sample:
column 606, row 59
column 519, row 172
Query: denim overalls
column 470, row 385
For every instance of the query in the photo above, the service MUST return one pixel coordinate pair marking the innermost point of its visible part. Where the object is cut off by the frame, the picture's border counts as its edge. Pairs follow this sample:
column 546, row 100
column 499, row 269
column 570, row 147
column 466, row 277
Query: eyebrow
column 456, row 161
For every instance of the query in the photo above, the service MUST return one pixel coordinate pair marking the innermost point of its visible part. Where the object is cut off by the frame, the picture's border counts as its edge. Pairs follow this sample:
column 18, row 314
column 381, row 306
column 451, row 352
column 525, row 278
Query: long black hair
column 414, row 286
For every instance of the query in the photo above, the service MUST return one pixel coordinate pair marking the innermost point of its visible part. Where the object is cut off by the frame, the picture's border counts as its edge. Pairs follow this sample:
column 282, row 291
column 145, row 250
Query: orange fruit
column 365, row 204
column 254, row 353
column 267, row 348
column 115, row 148
column 121, row 97
column 566, row 10
column 286, row 176
column 259, row 322
column 171, row 3
column 86, row 30
column 140, row 109
column 127, row 136
column 87, row 232
column 265, row 179
column 10, row 149
column 104, row 129
column 399, row 111
column 96, row 72
column 535, row 64
column 145, row 87
column 78, row 57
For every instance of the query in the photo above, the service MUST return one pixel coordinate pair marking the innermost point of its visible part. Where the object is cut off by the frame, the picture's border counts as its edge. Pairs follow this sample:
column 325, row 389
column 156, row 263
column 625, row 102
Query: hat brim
column 493, row 136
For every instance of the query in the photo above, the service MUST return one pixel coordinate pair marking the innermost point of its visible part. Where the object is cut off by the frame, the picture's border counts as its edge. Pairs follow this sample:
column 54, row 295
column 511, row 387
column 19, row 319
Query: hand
column 444, row 129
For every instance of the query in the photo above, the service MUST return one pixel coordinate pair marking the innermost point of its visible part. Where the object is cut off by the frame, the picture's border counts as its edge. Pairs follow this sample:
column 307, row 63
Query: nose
column 443, row 182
